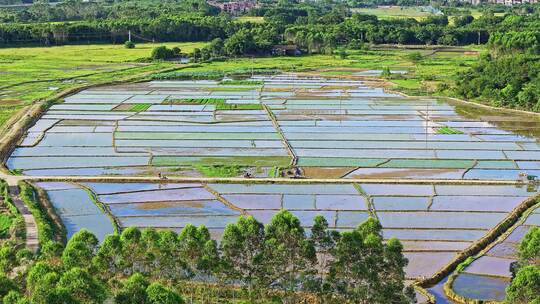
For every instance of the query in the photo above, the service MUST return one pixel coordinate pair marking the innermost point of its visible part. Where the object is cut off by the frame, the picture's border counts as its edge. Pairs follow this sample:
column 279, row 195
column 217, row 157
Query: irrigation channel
column 446, row 178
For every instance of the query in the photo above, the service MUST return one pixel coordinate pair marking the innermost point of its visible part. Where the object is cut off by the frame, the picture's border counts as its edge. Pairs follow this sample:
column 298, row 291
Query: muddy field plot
column 330, row 128
column 434, row 222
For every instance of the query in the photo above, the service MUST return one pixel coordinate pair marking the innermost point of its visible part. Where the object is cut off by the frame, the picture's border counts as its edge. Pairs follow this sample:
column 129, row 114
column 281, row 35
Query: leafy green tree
column 240, row 43
column 525, row 287
column 365, row 270
column 529, row 248
column 162, row 53
column 45, row 291
column 196, row 55
column 290, row 255
column 323, row 241
column 82, row 286
column 14, row 297
column 8, row 258
column 159, row 294
column 78, row 253
column 169, row 263
column 6, row 285
column 133, row 291
column 197, row 249
column 108, row 259
column 415, row 57
column 386, row 72
column 132, row 250
column 36, row 273
column 50, row 250
column 242, row 248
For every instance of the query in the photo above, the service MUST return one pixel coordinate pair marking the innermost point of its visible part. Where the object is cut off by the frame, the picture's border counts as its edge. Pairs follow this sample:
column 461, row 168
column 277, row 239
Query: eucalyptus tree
column 80, row 250
column 198, row 250
column 288, row 252
column 242, row 248
column 365, row 269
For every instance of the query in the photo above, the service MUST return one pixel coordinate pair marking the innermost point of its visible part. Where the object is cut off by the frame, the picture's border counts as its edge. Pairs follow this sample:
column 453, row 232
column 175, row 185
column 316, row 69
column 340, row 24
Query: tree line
column 509, row 75
column 525, row 286
column 147, row 266
column 315, row 27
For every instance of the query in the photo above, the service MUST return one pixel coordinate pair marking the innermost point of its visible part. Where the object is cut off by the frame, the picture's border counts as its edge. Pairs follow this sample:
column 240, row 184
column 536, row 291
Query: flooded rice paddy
column 434, row 222
column 313, row 122
column 487, row 277
column 328, row 128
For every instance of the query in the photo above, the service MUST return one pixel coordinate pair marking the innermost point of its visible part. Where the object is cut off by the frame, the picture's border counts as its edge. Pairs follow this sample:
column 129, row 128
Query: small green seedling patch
column 241, row 82
column 448, row 130
column 140, row 107
column 220, row 170
column 220, row 103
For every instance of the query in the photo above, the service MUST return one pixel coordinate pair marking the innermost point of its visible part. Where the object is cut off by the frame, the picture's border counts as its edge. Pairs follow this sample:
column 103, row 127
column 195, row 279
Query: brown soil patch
column 123, row 107
column 404, row 173
column 326, row 172
column 11, row 102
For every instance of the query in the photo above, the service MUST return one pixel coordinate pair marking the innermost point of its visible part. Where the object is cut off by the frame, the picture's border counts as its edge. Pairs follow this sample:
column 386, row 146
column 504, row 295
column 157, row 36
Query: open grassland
column 33, row 73
column 252, row 19
column 394, row 12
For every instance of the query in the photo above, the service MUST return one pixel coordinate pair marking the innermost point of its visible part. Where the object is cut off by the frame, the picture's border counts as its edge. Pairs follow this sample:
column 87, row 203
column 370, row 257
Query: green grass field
column 394, row 12
column 32, row 73
column 140, row 107
column 252, row 19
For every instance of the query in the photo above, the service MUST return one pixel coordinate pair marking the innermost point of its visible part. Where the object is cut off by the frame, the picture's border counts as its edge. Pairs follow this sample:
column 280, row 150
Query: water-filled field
column 489, row 274
column 434, row 222
column 312, row 126
column 329, row 127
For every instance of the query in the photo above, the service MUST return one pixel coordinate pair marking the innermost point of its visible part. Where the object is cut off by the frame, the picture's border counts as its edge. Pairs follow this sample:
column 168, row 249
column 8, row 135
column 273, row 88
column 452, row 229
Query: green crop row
column 140, row 107
column 242, row 82
column 198, row 75
column 448, row 130
column 220, row 103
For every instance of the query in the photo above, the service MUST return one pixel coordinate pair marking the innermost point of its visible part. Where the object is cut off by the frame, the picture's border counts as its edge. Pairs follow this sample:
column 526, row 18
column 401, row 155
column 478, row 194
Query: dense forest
column 509, row 76
column 525, row 284
column 315, row 27
column 276, row 262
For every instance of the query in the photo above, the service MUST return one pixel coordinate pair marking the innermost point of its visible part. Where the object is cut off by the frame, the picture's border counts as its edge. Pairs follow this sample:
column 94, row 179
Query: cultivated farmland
column 327, row 127
column 439, row 175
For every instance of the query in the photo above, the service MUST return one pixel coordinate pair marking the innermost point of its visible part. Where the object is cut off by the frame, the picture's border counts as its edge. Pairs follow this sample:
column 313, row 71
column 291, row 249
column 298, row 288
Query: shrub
column 129, row 45
column 159, row 294
column 162, row 53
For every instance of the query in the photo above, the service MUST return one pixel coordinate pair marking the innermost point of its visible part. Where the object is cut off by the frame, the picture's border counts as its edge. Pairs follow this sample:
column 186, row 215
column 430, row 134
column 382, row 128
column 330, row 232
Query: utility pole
column 129, row 35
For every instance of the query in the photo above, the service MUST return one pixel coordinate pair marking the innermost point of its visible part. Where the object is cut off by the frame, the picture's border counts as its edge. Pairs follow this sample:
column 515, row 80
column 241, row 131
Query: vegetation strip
column 494, row 233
